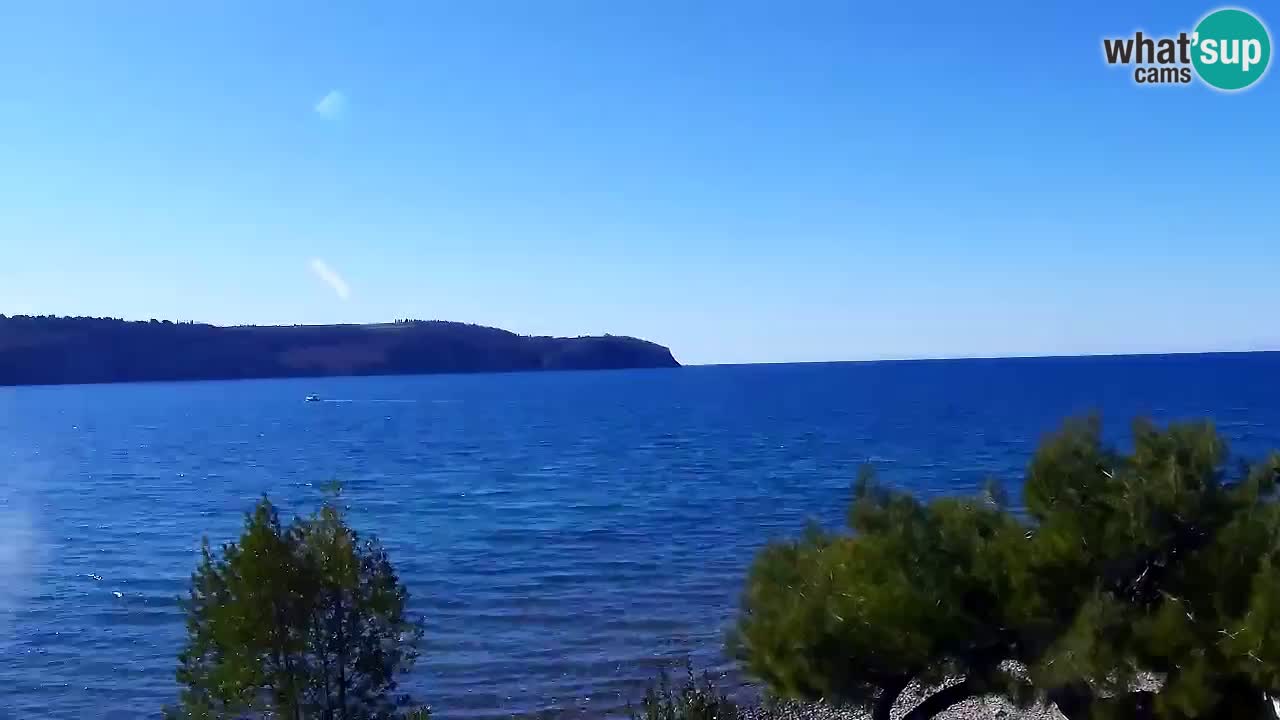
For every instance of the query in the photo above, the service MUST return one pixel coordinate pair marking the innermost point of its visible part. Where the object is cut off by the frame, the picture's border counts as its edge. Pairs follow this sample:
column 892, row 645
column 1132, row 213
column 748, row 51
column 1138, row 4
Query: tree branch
column 945, row 698
column 1074, row 701
column 888, row 697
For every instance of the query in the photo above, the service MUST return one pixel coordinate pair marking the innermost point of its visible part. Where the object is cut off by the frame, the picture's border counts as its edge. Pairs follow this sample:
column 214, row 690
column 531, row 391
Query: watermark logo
column 1229, row 49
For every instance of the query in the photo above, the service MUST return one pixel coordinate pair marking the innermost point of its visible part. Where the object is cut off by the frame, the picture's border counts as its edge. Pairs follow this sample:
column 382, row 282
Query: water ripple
column 562, row 534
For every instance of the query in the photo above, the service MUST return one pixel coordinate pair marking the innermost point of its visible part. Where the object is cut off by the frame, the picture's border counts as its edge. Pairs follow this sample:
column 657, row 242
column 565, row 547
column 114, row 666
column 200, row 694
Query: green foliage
column 1124, row 567
column 301, row 621
column 912, row 594
column 694, row 699
column 1174, row 562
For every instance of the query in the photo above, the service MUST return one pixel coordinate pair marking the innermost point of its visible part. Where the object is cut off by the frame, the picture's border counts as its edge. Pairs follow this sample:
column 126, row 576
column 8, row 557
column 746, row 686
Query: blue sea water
column 561, row 533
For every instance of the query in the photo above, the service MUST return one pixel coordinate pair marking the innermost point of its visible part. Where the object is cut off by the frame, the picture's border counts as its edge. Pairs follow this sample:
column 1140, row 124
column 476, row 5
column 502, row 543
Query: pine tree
column 1138, row 585
column 307, row 621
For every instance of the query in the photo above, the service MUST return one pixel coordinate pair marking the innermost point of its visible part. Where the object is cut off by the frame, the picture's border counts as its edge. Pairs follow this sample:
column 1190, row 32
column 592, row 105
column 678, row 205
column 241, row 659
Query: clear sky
column 742, row 181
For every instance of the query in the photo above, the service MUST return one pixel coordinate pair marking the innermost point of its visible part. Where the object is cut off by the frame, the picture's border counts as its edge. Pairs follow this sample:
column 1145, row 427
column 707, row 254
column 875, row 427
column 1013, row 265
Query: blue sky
column 742, row 181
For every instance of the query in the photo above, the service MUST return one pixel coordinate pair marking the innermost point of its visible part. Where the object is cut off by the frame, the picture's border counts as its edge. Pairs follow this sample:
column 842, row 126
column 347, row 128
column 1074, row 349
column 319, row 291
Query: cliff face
column 49, row 350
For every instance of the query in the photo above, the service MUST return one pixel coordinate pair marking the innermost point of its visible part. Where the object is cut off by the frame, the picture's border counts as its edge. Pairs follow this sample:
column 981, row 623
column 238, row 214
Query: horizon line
column 948, row 358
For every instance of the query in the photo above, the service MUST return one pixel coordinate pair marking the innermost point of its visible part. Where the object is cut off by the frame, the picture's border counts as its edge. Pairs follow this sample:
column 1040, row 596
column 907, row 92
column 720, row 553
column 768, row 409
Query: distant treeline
column 53, row 350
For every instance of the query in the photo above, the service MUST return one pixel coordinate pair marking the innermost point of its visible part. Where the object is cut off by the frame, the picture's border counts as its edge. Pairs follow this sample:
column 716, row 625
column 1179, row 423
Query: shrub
column 694, row 699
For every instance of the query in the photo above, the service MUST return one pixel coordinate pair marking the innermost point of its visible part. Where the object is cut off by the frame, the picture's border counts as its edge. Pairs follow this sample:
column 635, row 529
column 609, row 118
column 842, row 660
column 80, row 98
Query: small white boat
column 313, row 398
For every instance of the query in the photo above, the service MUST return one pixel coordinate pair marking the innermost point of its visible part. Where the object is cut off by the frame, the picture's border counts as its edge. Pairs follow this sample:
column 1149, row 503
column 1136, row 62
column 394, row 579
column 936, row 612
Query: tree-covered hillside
column 52, row 350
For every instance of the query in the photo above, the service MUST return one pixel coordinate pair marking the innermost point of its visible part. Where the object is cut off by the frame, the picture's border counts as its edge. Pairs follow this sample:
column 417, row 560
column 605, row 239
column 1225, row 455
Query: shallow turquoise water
column 561, row 533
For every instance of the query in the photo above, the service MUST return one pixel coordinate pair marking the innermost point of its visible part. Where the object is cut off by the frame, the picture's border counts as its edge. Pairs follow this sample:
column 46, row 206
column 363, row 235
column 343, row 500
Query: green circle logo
column 1231, row 49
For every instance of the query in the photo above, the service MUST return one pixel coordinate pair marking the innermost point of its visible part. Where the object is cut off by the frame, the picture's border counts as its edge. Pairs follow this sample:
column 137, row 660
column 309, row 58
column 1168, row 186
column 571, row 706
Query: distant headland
column 48, row 350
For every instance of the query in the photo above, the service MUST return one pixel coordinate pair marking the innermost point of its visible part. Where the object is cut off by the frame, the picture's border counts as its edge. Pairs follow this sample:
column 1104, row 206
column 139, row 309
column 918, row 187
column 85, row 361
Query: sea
column 563, row 535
